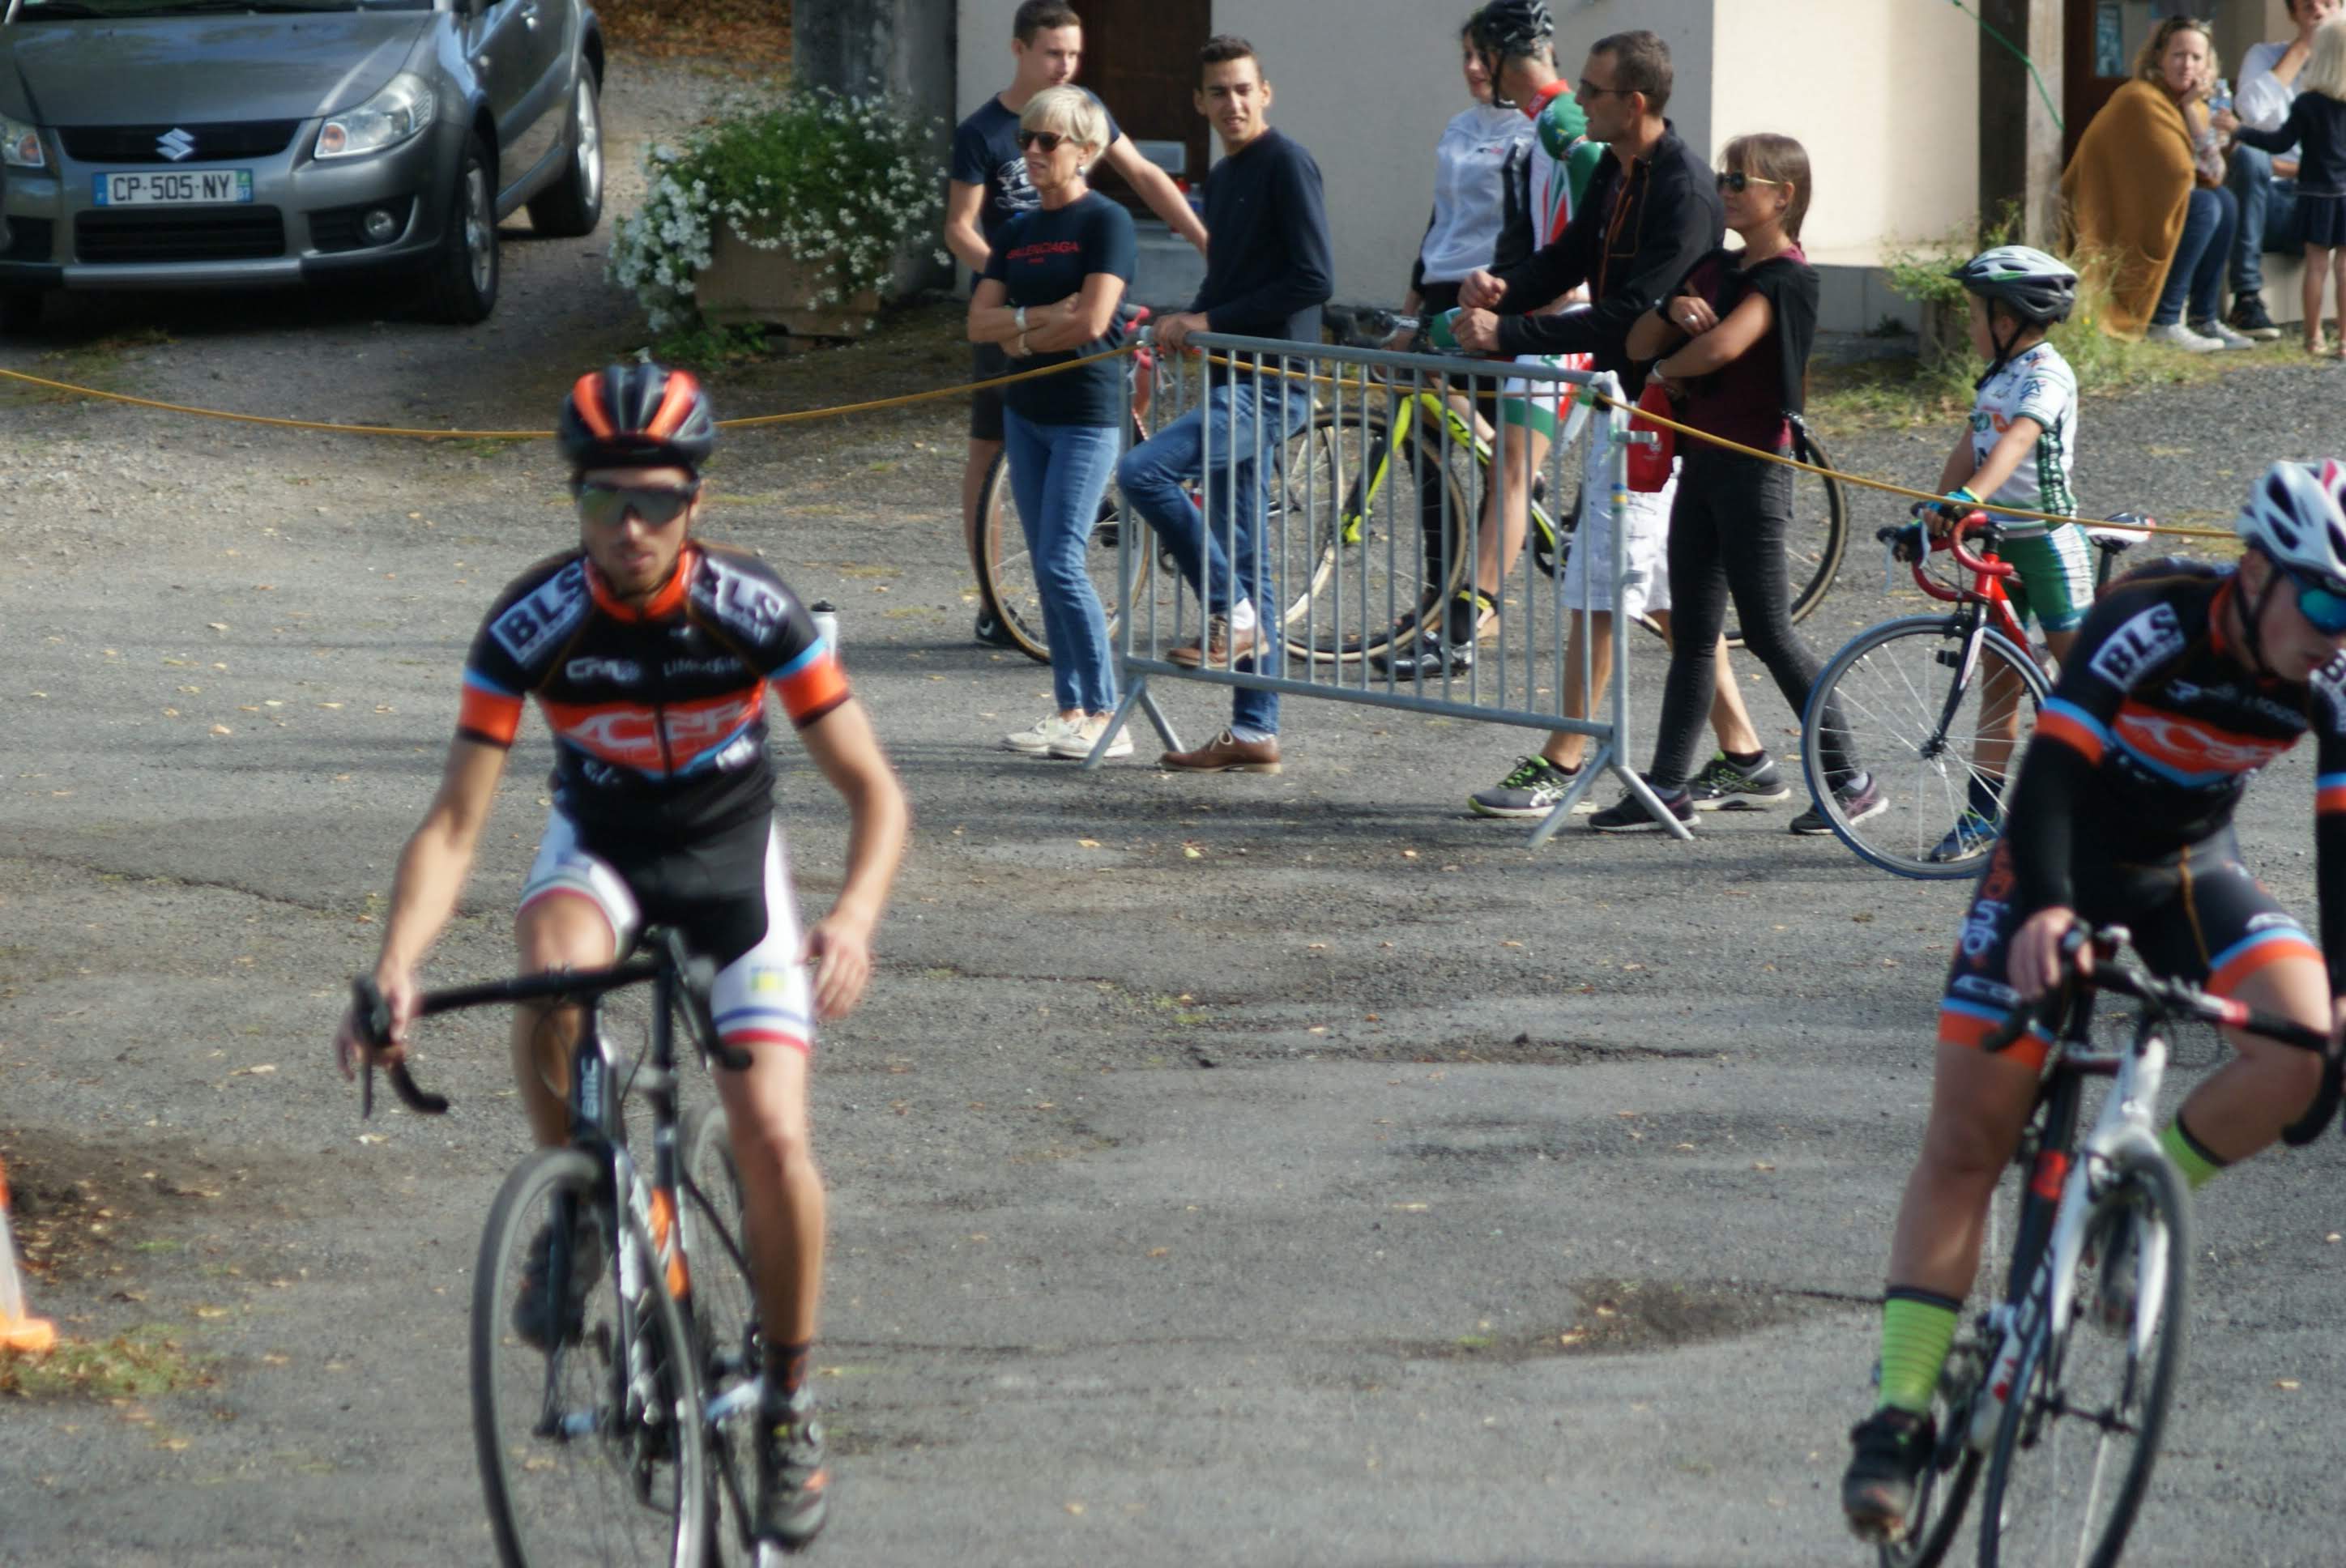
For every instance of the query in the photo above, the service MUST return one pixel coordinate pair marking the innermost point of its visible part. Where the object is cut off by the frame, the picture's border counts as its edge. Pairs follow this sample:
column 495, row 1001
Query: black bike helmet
column 639, row 415
column 2029, row 283
column 1509, row 28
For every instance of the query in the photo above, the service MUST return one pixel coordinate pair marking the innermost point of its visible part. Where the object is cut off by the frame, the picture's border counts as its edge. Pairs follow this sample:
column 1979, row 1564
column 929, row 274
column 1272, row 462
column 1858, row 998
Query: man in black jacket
column 1267, row 272
column 1651, row 211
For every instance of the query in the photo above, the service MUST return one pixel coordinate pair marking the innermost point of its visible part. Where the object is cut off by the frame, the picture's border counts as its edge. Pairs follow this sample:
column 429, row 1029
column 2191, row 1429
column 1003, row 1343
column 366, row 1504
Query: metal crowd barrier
column 1373, row 469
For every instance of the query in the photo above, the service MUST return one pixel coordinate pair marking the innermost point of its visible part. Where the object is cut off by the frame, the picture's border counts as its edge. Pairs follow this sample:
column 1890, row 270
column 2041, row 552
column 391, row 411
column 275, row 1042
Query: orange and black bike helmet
column 639, row 415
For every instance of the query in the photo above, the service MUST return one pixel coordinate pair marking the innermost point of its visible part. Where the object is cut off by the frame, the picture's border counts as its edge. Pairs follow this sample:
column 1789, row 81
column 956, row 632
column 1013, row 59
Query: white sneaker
column 1077, row 743
column 2175, row 335
column 2223, row 334
column 1037, row 739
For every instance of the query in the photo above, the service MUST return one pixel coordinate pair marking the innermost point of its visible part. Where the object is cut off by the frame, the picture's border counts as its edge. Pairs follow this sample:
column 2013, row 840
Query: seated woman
column 2147, row 208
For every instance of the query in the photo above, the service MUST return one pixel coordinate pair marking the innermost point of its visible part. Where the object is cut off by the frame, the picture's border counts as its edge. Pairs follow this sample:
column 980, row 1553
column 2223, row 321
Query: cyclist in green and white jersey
column 2014, row 453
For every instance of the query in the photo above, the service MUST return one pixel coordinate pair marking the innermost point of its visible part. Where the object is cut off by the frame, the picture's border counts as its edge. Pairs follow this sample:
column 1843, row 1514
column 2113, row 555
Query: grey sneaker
column 1531, row 790
column 1630, row 814
column 793, row 1478
column 2223, row 335
column 1726, row 785
column 1859, row 798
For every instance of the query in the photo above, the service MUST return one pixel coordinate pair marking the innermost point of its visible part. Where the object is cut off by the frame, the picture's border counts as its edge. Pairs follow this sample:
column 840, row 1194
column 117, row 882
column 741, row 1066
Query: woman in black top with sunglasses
column 1735, row 333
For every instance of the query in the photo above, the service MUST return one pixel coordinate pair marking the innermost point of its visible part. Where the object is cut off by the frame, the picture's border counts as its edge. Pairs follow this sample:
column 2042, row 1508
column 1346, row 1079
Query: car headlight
column 20, row 145
column 399, row 112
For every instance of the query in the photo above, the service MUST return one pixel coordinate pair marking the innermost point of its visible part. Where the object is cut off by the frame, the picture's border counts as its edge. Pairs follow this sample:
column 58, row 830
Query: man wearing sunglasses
column 651, row 656
column 2184, row 681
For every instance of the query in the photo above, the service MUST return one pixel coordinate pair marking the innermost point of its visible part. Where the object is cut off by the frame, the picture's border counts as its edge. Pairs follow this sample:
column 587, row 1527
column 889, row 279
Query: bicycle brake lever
column 372, row 1009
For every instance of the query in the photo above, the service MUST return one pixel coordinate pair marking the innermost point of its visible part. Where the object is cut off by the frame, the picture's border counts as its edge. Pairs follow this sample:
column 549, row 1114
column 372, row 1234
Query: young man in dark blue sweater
column 1267, row 272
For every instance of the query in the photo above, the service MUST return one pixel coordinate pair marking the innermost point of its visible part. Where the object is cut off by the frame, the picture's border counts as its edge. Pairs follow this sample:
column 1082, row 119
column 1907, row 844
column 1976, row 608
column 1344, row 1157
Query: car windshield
column 120, row 10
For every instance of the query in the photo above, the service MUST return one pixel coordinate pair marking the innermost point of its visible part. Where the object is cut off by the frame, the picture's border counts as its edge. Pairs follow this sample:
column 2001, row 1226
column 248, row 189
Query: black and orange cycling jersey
column 2123, row 811
column 657, row 713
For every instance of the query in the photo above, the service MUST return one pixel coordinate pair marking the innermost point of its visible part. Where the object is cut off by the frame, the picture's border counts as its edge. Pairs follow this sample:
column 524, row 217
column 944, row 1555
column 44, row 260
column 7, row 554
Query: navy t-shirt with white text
column 1042, row 257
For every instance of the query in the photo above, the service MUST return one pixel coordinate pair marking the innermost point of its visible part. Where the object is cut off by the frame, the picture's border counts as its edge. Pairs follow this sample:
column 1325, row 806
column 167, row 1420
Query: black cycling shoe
column 990, row 631
column 1419, row 660
column 531, row 1310
column 793, row 1478
column 1877, row 1491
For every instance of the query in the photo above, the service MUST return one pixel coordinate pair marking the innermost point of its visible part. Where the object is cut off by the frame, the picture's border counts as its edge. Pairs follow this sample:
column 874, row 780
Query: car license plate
column 175, row 187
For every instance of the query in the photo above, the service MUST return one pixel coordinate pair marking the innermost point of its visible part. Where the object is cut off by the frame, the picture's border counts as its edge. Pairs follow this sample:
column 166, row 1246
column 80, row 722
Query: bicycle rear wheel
column 590, row 1448
column 1820, row 531
column 2074, row 1455
column 724, row 1326
column 1913, row 696
column 1006, row 568
column 1357, row 563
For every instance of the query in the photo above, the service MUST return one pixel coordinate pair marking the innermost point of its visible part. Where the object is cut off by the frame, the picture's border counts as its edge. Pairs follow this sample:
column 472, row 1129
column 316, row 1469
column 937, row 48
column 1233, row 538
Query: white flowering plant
column 847, row 180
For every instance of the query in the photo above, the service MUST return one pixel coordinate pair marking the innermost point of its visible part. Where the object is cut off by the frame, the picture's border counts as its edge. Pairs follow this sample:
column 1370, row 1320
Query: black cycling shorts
column 986, row 360
column 2200, row 917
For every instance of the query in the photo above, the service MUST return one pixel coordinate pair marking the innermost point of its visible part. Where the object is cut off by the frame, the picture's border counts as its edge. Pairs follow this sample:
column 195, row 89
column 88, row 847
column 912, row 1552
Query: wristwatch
column 1018, row 318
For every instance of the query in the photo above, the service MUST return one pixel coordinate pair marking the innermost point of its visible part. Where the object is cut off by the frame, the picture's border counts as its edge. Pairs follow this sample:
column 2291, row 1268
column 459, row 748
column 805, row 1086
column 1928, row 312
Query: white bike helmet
column 2034, row 286
column 2297, row 516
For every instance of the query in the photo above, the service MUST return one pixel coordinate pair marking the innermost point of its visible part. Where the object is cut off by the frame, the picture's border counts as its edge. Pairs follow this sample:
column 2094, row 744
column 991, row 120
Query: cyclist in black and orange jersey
column 651, row 655
column 2185, row 680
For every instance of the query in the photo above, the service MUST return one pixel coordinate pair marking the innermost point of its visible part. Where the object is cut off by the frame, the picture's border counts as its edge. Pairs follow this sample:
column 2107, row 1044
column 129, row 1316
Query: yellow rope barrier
column 906, row 400
column 410, row 434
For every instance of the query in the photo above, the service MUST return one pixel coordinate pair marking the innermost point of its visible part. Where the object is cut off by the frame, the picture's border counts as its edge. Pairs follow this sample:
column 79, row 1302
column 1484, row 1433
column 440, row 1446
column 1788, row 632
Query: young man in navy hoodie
column 1267, row 272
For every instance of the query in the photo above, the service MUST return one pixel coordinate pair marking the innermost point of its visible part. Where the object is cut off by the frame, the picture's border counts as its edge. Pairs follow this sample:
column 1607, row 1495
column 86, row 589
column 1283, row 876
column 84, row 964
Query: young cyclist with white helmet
column 2183, row 681
column 652, row 656
column 2016, row 452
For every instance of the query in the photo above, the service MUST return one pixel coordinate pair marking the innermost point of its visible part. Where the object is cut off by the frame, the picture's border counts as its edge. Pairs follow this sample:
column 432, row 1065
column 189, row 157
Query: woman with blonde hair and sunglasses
column 1049, row 296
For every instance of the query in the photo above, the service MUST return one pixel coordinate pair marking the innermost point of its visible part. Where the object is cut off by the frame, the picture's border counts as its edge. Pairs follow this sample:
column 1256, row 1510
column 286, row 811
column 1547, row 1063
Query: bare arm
column 431, row 871
column 1746, row 326
column 991, row 318
column 2003, row 459
column 1654, row 335
column 1157, row 192
column 840, row 945
column 962, row 236
column 1958, row 466
column 1078, row 319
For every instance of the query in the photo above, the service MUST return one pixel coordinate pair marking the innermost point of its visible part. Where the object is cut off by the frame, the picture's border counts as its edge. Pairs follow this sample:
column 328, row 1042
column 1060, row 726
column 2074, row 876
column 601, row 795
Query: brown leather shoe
column 1220, row 646
column 1225, row 753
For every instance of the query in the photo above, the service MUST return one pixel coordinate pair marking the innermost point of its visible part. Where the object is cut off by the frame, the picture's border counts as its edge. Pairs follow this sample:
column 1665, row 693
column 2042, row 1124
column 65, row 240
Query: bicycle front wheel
column 1941, row 713
column 1356, row 525
column 724, row 1326
column 586, row 1410
column 2074, row 1455
column 1006, row 566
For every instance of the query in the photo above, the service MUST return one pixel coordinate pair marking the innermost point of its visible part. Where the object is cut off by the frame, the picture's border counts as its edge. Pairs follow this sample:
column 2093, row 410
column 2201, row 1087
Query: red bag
column 1650, row 466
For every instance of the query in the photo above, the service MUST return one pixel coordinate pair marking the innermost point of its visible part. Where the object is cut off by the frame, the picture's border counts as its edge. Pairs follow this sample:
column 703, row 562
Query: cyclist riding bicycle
column 651, row 655
column 2185, row 680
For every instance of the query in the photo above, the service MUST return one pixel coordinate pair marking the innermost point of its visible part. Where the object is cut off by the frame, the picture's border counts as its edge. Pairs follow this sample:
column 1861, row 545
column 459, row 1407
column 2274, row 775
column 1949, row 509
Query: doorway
column 1140, row 56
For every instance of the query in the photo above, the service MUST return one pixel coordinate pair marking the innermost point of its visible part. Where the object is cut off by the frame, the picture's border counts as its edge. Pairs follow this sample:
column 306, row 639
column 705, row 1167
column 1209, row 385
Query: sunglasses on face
column 2324, row 610
column 609, row 506
column 1738, row 181
column 1046, row 141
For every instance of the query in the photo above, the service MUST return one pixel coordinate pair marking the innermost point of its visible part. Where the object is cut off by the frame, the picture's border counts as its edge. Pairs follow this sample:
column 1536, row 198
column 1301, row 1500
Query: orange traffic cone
column 17, row 1331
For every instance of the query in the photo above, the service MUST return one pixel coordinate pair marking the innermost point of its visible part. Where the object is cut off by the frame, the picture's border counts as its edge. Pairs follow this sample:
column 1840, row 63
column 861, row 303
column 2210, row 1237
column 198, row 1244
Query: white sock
column 1242, row 615
column 1249, row 734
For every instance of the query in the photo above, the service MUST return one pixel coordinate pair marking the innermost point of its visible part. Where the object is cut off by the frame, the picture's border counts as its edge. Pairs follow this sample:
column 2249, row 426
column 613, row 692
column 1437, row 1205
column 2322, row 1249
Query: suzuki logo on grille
column 176, row 144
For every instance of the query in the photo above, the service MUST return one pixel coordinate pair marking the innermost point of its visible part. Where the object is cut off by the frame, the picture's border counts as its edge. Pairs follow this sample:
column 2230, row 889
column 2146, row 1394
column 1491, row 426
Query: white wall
column 983, row 65
column 1686, row 26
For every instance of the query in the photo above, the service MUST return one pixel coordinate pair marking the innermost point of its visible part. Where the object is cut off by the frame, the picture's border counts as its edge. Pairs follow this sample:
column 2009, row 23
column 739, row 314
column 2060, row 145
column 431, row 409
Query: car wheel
column 573, row 204
column 20, row 310
column 463, row 285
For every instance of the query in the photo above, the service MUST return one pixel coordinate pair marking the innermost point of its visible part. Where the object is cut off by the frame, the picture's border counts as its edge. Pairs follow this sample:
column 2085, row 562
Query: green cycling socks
column 2190, row 1156
column 1917, row 1327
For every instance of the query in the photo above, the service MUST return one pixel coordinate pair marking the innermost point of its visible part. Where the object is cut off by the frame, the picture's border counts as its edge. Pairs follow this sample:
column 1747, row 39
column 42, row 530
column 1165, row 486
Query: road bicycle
column 619, row 1425
column 2059, row 1391
column 1917, row 696
column 1447, row 445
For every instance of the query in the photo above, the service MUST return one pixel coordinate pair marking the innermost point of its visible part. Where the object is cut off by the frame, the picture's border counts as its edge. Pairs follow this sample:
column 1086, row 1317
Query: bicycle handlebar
column 696, row 974
column 2178, row 998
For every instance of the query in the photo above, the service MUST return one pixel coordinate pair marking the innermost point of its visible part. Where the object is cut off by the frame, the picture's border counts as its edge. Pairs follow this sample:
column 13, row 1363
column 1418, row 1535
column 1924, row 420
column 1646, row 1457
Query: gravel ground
column 1267, row 1170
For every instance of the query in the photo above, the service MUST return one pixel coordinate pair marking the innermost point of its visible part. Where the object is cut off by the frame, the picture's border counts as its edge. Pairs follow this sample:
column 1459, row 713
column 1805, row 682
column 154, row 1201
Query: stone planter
column 742, row 284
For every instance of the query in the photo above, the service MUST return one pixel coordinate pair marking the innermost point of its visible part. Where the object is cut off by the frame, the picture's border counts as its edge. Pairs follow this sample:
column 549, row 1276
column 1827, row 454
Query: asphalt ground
column 1238, row 1169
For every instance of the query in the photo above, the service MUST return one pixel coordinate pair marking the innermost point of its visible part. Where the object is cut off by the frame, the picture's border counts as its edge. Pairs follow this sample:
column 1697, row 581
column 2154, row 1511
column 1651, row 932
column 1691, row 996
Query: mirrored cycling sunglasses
column 608, row 505
column 1048, row 141
column 2324, row 608
column 1738, row 181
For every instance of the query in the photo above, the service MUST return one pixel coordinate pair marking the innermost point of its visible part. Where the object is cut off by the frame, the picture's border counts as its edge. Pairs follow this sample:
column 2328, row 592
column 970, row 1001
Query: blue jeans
column 1156, row 476
column 2197, row 266
column 2268, row 216
column 1057, row 475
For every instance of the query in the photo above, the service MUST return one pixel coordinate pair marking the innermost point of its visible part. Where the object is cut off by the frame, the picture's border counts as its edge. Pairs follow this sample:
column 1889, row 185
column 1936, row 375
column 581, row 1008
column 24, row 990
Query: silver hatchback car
column 168, row 144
